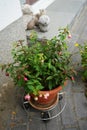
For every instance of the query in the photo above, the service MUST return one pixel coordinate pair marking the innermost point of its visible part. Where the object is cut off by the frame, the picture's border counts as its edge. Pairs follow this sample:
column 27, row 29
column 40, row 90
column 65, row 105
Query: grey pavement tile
column 79, row 25
column 35, row 124
column 54, row 124
column 83, row 124
column 21, row 111
column 17, row 119
column 72, row 6
column 68, row 87
column 68, row 115
column 80, row 105
column 84, row 36
column 17, row 122
column 79, row 85
column 71, row 129
column 21, row 127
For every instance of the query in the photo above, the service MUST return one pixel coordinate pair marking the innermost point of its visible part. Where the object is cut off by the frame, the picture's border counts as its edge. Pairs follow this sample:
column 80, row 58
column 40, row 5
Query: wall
column 10, row 10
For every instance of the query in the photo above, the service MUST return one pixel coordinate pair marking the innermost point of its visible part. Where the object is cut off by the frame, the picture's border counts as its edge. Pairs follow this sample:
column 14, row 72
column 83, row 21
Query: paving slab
column 68, row 115
column 71, row 129
column 83, row 124
column 80, row 105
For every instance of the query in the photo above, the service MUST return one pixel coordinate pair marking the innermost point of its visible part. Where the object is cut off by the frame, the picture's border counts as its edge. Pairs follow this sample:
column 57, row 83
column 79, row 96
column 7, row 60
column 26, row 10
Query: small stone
column 30, row 120
column 5, row 85
column 0, row 95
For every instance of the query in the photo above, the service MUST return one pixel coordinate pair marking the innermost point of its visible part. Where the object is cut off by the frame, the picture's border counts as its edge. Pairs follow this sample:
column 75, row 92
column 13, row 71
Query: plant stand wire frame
column 46, row 114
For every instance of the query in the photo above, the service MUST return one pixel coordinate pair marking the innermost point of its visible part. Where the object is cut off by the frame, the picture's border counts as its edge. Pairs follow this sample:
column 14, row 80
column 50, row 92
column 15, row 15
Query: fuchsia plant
column 41, row 65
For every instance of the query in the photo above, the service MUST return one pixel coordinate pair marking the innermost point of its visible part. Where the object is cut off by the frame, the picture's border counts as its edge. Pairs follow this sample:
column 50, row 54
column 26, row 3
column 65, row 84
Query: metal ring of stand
column 45, row 115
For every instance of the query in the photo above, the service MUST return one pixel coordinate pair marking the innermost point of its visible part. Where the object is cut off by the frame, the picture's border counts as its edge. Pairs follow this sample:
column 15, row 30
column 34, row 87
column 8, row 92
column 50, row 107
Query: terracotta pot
column 46, row 98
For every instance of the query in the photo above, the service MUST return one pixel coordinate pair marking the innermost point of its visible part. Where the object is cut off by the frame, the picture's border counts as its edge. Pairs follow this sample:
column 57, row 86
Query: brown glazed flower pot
column 43, row 102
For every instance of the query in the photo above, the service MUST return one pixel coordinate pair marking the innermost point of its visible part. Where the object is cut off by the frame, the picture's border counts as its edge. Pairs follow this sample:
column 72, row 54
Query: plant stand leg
column 60, row 97
column 25, row 104
column 45, row 116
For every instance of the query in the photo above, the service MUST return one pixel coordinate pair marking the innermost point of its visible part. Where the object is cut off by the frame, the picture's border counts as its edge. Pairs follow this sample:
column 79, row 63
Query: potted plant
column 43, row 65
column 83, row 54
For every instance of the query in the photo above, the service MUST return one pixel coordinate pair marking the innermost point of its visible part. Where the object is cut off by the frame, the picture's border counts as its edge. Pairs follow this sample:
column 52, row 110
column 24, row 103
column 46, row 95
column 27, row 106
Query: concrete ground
column 61, row 14
column 74, row 116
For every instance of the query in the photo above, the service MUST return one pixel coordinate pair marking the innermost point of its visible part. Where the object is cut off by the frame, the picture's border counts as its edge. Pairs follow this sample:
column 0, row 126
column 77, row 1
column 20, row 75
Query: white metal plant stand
column 46, row 114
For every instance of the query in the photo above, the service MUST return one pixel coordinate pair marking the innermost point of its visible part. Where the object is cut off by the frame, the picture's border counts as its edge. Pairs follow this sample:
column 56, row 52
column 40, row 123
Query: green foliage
column 83, row 53
column 41, row 65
